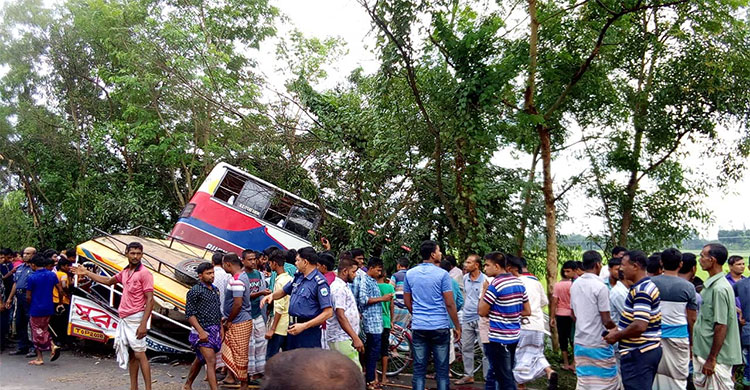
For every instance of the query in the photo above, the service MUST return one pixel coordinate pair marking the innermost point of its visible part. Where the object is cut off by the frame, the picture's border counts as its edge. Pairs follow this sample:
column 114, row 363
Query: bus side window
column 230, row 187
column 302, row 219
column 279, row 209
column 254, row 198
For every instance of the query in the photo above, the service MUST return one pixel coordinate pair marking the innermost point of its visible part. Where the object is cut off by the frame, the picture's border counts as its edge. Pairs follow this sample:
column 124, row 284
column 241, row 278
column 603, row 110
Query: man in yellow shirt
column 276, row 333
column 59, row 321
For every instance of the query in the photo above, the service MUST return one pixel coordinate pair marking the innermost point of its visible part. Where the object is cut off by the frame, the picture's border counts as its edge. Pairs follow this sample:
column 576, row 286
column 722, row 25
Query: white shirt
column 342, row 298
column 588, row 297
column 617, row 296
column 221, row 278
column 537, row 300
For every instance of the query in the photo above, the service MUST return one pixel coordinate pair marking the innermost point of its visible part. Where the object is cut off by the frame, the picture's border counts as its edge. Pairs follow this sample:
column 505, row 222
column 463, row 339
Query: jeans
column 276, row 343
column 372, row 355
column 746, row 371
column 437, row 343
column 22, row 322
column 489, row 376
column 469, row 336
column 639, row 368
column 502, row 358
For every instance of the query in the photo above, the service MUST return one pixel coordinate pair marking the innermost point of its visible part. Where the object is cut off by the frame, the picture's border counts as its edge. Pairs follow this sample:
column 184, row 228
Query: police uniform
column 20, row 278
column 308, row 296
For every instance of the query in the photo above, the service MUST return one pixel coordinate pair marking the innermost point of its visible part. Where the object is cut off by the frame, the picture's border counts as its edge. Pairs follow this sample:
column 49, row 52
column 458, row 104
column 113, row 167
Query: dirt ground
column 94, row 368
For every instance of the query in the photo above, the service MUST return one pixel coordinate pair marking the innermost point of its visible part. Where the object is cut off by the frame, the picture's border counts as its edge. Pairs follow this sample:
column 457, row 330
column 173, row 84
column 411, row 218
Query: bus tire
column 185, row 271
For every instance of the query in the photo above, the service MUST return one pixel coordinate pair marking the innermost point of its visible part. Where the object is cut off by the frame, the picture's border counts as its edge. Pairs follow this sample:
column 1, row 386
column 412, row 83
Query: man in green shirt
column 385, row 289
column 716, row 336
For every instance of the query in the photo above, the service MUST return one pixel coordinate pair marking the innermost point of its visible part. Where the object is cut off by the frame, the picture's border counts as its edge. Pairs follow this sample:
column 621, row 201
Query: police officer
column 309, row 303
column 20, row 277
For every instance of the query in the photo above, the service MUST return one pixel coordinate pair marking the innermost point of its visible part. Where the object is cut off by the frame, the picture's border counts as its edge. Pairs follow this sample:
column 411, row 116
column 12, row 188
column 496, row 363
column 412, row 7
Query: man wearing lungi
column 203, row 312
column 238, row 324
column 596, row 367
column 716, row 336
column 136, row 304
column 39, row 298
column 530, row 360
column 678, row 313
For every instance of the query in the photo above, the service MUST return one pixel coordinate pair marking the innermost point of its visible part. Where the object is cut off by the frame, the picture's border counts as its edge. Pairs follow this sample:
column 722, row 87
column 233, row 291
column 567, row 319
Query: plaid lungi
column 234, row 350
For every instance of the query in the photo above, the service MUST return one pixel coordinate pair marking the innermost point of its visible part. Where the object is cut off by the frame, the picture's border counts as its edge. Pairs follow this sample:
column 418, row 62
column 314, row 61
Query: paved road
column 76, row 371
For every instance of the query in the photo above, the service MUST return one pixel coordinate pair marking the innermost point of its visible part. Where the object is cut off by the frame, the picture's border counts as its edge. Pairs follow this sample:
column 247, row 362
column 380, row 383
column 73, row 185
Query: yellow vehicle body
column 160, row 257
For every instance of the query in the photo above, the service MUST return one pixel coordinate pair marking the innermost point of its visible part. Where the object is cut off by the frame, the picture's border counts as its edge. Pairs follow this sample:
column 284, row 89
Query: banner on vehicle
column 89, row 320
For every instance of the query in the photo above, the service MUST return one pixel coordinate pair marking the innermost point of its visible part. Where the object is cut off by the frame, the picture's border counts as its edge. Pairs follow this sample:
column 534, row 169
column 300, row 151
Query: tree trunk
column 33, row 208
column 545, row 147
column 550, row 216
column 630, row 190
column 521, row 238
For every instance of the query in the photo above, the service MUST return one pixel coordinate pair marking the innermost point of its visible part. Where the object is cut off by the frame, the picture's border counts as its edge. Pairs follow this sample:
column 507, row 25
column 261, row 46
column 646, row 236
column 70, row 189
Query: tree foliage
column 112, row 112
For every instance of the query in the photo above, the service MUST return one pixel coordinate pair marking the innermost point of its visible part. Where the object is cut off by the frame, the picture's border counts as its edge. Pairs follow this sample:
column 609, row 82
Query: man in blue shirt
column 428, row 294
column 39, row 297
column 20, row 277
column 309, row 303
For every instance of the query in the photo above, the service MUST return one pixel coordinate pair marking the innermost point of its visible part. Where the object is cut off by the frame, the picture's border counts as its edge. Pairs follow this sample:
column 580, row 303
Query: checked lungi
column 530, row 360
column 234, row 350
column 674, row 365
column 257, row 348
column 596, row 367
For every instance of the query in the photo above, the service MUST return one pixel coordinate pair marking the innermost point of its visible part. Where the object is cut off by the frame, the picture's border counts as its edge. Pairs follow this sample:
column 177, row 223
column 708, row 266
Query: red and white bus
column 234, row 210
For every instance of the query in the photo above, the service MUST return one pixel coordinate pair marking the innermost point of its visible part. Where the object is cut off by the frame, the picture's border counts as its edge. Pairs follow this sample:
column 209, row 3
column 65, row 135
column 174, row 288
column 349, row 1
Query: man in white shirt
column 221, row 277
column 530, row 361
column 596, row 367
column 342, row 330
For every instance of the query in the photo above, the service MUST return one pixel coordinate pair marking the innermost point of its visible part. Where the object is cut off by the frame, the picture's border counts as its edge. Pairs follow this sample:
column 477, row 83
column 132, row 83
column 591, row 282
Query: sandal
column 552, row 382
column 231, row 385
column 55, row 353
column 373, row 386
column 464, row 381
column 36, row 363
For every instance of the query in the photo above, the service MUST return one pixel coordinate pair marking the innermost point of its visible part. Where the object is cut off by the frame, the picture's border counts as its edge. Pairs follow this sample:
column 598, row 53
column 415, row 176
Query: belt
column 20, row 290
column 299, row 319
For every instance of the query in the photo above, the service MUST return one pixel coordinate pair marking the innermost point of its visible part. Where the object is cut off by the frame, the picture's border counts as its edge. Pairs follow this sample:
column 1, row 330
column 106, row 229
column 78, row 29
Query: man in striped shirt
column 504, row 302
column 679, row 310
column 639, row 330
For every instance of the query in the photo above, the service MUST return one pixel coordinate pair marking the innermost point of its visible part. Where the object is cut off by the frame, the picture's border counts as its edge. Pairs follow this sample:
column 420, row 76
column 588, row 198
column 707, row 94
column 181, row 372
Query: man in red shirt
column 135, row 310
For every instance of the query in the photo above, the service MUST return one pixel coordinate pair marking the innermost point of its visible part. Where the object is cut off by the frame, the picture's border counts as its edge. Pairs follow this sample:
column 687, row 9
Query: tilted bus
column 231, row 211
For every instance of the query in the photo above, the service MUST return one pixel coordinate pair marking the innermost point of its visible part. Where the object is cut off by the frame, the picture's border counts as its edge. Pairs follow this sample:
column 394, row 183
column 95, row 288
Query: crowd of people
column 637, row 322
